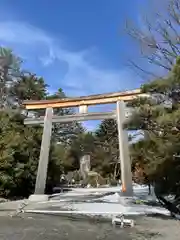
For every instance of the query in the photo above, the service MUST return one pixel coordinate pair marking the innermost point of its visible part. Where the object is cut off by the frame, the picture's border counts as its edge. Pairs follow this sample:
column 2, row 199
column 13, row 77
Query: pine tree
column 159, row 118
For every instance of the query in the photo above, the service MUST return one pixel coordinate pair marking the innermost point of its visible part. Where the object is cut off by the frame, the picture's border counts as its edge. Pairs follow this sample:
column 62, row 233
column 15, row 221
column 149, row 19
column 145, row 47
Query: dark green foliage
column 29, row 87
column 20, row 144
column 106, row 154
column 159, row 118
column 9, row 71
column 19, row 151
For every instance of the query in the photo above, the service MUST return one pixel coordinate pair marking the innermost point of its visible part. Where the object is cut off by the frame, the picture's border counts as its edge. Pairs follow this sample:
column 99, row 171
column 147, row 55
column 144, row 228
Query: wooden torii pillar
column 82, row 102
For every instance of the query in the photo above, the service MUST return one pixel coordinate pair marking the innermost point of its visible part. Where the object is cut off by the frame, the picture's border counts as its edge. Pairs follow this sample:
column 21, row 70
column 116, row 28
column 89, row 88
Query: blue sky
column 78, row 45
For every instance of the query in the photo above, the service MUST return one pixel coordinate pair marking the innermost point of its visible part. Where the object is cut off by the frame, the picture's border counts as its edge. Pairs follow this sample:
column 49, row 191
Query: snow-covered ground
column 107, row 201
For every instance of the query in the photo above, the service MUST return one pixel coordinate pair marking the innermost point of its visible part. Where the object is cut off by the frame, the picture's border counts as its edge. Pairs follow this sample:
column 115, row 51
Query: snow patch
column 113, row 204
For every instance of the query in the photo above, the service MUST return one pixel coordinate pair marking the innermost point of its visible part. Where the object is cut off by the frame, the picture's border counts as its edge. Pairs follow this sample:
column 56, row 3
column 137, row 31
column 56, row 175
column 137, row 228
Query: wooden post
column 126, row 174
column 44, row 153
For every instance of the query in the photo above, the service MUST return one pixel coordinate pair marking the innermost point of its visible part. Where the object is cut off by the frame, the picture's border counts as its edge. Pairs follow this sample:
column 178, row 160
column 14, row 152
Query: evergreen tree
column 9, row 72
column 159, row 118
column 20, row 144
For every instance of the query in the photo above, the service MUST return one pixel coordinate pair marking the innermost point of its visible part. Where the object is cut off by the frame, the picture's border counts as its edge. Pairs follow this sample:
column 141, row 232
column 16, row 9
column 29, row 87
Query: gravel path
column 44, row 227
column 41, row 227
column 156, row 228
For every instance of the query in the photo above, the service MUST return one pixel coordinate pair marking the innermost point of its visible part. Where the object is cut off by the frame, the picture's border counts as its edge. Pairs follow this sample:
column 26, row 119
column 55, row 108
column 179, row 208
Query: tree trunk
column 149, row 189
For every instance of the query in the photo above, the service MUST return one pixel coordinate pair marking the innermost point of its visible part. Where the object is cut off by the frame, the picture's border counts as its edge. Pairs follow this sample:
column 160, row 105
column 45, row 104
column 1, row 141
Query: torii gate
column 83, row 102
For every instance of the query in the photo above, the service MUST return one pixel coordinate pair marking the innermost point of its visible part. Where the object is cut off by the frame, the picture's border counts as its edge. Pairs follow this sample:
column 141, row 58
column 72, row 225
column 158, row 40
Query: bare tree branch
column 159, row 40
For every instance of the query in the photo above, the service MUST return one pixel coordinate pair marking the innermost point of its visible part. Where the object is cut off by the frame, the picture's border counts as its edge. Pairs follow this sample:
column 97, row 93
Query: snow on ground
column 107, row 209
column 95, row 201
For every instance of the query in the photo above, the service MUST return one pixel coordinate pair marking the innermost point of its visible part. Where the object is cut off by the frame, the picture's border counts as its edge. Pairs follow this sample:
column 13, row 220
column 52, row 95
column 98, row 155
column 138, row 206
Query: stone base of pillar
column 128, row 192
column 38, row 198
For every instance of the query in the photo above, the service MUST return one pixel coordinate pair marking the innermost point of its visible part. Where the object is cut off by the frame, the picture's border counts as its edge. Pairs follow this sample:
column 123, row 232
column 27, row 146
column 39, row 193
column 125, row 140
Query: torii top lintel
column 84, row 100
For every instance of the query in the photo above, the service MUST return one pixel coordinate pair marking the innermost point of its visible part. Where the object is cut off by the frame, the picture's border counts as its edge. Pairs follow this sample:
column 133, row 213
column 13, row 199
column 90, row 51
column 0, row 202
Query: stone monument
column 85, row 166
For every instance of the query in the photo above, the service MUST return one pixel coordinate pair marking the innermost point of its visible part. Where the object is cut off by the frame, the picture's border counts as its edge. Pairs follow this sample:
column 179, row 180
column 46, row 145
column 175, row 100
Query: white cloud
column 80, row 78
